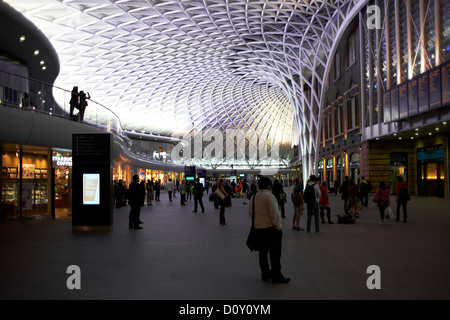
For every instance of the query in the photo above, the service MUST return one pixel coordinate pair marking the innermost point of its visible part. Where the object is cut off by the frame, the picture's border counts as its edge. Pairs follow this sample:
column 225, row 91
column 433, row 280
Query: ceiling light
column 22, row 39
column 36, row 52
column 42, row 62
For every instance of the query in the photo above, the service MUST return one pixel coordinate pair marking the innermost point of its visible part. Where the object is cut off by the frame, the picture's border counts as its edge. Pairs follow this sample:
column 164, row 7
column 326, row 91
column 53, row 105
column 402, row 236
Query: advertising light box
column 91, row 188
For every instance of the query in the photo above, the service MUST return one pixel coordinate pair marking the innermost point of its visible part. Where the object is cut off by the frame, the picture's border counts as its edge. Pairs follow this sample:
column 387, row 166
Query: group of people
column 78, row 100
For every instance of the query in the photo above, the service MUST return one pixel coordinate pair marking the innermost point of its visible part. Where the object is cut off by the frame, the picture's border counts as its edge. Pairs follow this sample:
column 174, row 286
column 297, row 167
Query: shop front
column 62, row 164
column 431, row 171
column 25, row 182
column 355, row 167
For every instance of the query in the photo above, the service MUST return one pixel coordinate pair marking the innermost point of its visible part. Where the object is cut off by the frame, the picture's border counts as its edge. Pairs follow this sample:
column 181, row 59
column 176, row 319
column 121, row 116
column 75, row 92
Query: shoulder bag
column 253, row 237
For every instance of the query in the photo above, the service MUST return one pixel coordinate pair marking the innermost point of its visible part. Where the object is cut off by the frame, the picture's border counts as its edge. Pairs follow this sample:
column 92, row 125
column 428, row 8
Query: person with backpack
column 402, row 195
column 311, row 197
column 297, row 201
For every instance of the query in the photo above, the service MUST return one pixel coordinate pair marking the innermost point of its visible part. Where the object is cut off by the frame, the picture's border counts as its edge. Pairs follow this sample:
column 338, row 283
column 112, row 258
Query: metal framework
column 174, row 66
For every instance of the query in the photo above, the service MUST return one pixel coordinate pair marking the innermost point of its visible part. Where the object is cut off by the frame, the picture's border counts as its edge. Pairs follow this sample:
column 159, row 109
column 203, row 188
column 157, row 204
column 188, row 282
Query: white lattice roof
column 176, row 65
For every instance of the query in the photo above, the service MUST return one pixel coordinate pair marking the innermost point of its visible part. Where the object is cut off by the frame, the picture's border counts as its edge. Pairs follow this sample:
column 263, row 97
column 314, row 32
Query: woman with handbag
column 222, row 194
column 382, row 200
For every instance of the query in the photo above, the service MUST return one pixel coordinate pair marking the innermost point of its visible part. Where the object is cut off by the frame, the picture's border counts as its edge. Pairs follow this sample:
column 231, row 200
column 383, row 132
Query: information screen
column 91, row 188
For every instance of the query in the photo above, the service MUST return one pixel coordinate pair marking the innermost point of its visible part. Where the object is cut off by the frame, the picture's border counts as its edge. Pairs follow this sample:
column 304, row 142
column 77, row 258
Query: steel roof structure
column 174, row 66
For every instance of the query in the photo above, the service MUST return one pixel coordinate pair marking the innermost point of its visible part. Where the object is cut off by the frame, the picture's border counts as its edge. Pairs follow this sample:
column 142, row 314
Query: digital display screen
column 91, row 188
column 190, row 178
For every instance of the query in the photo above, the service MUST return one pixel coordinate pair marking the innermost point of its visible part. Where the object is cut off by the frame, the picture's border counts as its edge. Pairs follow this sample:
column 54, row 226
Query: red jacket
column 324, row 200
column 400, row 185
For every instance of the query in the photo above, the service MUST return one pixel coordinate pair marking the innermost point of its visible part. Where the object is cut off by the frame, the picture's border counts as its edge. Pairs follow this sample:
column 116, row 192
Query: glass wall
column 25, row 183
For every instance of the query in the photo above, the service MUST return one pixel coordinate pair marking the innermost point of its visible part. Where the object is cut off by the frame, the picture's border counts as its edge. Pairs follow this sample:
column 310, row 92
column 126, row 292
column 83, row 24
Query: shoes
column 300, row 229
column 330, row 222
column 323, row 221
column 140, row 222
column 281, row 280
column 203, row 211
column 194, row 211
column 137, row 228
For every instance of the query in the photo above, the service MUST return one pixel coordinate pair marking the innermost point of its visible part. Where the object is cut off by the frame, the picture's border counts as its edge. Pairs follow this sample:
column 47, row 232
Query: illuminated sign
column 91, row 188
column 62, row 161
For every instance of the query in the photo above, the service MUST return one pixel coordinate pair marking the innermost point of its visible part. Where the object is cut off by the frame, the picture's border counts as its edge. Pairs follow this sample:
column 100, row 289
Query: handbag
column 219, row 194
column 387, row 212
column 253, row 237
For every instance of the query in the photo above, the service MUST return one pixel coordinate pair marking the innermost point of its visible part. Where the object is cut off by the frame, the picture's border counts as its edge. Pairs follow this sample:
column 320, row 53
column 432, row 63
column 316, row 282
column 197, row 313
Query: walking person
column 402, row 196
column 142, row 192
column 311, row 197
column 324, row 203
column 149, row 187
column 382, row 199
column 244, row 191
column 267, row 222
column 170, row 188
column 134, row 200
column 198, row 196
column 364, row 188
column 297, row 201
column 222, row 202
column 183, row 189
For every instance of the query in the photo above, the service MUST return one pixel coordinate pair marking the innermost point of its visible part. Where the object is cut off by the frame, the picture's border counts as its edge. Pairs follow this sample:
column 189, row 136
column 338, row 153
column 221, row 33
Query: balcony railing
column 22, row 92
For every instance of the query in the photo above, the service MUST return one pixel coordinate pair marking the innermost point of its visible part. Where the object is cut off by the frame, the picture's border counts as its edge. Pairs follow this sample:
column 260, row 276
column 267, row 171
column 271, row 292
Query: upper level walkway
column 182, row 255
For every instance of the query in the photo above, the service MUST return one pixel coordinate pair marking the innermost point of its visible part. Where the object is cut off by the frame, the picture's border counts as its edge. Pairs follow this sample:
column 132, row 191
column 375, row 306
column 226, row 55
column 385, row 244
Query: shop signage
column 62, row 161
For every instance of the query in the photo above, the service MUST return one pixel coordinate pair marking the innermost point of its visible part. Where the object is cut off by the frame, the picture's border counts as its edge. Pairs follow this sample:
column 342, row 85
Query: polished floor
column 181, row 255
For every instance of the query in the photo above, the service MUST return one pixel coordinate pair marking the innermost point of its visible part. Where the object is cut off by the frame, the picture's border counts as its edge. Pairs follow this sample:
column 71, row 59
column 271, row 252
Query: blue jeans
column 313, row 210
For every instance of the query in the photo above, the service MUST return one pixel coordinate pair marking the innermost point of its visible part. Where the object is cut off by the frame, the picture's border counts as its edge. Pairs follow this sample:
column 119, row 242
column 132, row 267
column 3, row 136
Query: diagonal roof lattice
column 173, row 66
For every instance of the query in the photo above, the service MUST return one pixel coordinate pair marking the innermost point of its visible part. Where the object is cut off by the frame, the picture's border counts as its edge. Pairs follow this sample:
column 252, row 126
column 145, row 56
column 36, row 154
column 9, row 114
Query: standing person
column 364, row 188
column 244, row 191
column 198, row 195
column 353, row 197
column 279, row 193
column 182, row 189
column 157, row 187
column 149, row 187
column 207, row 185
column 402, row 196
column 83, row 103
column 177, row 188
column 142, row 192
column 74, row 101
column 324, row 203
column 222, row 202
column 297, row 201
column 344, row 193
column 267, row 222
column 311, row 197
column 134, row 200
column 382, row 199
column 170, row 188
column 253, row 188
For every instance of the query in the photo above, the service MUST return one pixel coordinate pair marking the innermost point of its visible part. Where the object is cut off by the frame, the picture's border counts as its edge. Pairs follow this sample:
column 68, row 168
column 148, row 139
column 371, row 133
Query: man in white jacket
column 268, row 225
column 170, row 188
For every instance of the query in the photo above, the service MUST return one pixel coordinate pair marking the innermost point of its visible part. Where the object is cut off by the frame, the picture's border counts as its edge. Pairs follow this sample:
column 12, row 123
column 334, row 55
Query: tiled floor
column 183, row 255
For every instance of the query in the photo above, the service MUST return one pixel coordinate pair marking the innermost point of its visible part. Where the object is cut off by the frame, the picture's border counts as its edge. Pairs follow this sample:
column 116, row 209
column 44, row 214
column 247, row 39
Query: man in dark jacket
column 134, row 200
column 198, row 195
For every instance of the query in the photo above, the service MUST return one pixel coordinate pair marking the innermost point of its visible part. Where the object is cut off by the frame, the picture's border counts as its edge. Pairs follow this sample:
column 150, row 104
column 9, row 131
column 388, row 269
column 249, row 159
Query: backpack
column 403, row 194
column 309, row 195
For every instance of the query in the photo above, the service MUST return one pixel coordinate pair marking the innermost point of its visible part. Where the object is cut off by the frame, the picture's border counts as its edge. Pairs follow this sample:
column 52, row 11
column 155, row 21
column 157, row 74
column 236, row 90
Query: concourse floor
column 181, row 255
